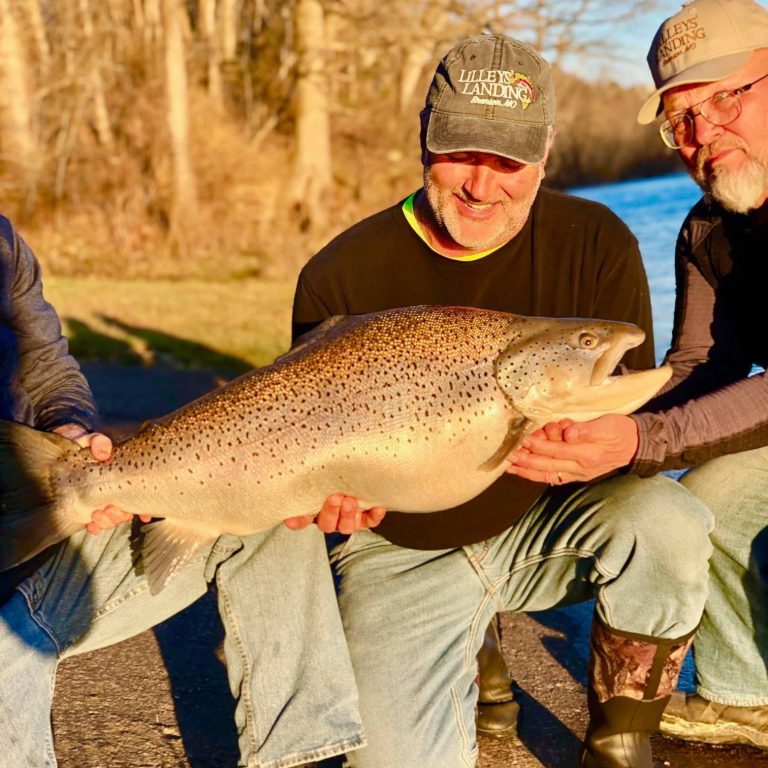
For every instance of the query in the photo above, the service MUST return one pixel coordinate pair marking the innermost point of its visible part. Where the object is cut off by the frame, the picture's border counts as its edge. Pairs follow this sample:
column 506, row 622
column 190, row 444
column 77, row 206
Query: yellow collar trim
column 410, row 217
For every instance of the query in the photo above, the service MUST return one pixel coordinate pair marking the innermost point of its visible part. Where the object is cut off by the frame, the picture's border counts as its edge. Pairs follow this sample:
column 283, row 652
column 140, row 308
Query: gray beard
column 738, row 191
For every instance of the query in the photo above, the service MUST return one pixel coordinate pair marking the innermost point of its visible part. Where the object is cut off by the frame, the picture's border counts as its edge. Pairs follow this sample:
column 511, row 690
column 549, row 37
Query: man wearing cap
column 710, row 66
column 417, row 595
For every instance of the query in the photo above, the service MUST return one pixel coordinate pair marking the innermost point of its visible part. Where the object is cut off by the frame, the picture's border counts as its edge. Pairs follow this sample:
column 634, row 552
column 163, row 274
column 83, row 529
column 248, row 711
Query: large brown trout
column 411, row 409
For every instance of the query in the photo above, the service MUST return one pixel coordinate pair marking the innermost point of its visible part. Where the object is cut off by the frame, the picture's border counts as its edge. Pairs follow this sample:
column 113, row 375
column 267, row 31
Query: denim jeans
column 415, row 619
column 287, row 660
column 731, row 648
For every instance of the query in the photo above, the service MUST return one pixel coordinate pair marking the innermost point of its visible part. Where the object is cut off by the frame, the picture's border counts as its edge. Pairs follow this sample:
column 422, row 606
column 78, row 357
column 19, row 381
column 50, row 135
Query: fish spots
column 377, row 389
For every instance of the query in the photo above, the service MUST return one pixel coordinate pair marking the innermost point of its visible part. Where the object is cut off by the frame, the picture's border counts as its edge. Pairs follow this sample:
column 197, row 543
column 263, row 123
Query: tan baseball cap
column 705, row 41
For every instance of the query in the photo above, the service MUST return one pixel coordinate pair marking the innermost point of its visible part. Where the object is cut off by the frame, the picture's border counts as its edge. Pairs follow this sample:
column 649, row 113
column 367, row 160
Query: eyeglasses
column 720, row 108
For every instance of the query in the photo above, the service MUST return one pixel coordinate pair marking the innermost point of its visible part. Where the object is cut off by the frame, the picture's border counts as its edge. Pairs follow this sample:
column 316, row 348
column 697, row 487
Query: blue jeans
column 731, row 648
column 415, row 619
column 287, row 660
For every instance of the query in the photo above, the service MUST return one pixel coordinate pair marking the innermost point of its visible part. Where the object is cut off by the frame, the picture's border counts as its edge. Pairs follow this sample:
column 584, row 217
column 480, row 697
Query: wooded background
column 230, row 138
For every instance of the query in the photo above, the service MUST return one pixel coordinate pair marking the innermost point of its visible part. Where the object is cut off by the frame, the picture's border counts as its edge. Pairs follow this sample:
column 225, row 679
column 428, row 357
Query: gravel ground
column 161, row 699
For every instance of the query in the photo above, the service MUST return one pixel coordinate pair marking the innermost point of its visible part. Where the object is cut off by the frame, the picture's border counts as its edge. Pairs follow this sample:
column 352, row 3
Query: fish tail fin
column 30, row 517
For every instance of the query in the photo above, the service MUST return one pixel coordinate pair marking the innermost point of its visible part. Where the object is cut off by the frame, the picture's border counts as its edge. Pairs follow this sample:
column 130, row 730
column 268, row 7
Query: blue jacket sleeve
column 41, row 382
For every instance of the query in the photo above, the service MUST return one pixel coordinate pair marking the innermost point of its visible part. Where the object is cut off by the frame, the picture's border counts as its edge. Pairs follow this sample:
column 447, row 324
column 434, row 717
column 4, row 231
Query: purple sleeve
column 712, row 406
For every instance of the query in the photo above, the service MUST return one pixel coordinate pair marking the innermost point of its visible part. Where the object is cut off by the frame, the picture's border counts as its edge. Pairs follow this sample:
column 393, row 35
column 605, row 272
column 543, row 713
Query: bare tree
column 229, row 17
column 33, row 20
column 208, row 30
column 96, row 82
column 311, row 179
column 184, row 200
column 98, row 103
column 147, row 13
column 17, row 141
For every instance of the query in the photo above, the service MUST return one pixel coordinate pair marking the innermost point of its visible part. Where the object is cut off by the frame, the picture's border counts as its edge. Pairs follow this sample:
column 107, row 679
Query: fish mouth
column 608, row 393
column 606, row 364
column 614, row 394
column 618, row 394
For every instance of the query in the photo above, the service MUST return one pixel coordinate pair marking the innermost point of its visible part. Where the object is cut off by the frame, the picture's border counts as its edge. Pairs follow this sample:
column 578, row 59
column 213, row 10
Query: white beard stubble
column 445, row 213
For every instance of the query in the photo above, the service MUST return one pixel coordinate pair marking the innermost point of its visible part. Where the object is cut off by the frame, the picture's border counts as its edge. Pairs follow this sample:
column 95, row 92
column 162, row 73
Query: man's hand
column 340, row 513
column 100, row 445
column 101, row 450
column 566, row 452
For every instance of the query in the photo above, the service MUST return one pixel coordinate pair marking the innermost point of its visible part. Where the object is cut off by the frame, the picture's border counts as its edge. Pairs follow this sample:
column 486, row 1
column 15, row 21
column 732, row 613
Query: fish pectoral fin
column 517, row 429
column 168, row 546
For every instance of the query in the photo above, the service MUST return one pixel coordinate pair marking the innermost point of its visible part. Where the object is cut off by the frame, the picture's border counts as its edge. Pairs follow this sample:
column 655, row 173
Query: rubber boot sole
column 713, row 733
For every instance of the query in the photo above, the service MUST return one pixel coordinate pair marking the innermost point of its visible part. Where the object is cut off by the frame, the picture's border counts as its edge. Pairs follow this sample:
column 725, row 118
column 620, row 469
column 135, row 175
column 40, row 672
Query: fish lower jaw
column 625, row 394
column 615, row 394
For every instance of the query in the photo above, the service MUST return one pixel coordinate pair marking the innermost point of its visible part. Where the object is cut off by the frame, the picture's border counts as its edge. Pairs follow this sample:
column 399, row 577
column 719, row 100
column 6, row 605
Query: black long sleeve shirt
column 573, row 258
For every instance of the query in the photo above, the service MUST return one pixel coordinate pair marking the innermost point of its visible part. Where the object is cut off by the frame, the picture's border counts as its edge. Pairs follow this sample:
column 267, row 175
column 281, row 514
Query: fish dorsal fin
column 518, row 428
column 168, row 547
column 318, row 334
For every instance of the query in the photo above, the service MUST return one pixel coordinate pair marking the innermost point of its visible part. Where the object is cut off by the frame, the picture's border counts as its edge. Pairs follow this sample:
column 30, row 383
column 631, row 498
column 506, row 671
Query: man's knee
column 665, row 521
column 644, row 503
column 735, row 489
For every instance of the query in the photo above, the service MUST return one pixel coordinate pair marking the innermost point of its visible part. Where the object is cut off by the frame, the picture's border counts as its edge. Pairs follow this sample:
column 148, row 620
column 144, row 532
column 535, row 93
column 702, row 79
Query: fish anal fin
column 169, row 545
column 518, row 428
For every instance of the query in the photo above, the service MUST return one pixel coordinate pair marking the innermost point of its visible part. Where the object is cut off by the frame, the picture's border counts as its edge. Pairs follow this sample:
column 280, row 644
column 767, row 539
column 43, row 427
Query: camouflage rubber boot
column 631, row 678
column 497, row 710
column 694, row 718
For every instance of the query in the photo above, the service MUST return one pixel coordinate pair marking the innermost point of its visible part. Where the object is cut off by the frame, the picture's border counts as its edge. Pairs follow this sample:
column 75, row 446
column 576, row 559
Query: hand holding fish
column 100, row 444
column 101, row 449
column 566, row 451
column 110, row 517
column 340, row 513
column 376, row 404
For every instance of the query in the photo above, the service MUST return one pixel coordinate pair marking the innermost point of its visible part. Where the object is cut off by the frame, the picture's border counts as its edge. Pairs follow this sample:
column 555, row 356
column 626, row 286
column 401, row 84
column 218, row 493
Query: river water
column 653, row 209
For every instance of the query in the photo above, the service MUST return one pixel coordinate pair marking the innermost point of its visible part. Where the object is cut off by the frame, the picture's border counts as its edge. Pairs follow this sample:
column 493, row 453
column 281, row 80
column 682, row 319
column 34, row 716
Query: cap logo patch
column 497, row 87
column 677, row 39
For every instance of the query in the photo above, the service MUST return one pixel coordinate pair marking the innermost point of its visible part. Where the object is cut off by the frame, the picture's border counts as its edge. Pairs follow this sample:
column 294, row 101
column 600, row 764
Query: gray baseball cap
column 493, row 94
column 705, row 41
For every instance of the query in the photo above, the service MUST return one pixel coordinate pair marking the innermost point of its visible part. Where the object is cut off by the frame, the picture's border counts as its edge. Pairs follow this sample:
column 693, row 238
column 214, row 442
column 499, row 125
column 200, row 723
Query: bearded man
column 710, row 67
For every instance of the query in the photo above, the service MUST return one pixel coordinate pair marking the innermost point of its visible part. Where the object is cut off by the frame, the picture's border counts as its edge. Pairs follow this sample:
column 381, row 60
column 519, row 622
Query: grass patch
column 229, row 326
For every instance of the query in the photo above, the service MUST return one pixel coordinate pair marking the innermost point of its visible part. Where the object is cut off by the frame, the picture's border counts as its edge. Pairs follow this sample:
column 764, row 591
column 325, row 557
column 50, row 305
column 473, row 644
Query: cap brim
column 521, row 141
column 704, row 72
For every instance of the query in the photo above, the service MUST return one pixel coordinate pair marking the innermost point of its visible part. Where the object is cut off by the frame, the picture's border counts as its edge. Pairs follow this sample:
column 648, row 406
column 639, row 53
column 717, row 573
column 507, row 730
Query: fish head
column 556, row 369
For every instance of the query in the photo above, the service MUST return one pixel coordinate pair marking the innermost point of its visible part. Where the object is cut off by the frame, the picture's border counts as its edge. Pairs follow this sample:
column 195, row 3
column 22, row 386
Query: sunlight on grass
column 232, row 326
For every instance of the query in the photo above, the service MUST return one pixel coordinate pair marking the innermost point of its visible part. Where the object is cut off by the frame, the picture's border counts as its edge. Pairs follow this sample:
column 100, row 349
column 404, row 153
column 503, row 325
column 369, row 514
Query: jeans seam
column 50, row 747
column 337, row 553
column 468, row 752
column 143, row 586
column 476, row 560
column 310, row 756
column 347, row 546
column 38, row 619
column 566, row 551
column 245, row 687
column 463, row 733
column 493, row 585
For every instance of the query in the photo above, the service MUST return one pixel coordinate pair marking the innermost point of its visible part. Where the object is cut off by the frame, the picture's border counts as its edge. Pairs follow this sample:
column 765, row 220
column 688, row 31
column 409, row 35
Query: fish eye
column 588, row 341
